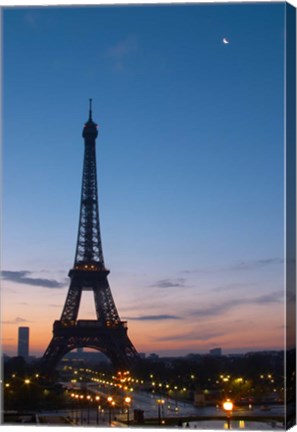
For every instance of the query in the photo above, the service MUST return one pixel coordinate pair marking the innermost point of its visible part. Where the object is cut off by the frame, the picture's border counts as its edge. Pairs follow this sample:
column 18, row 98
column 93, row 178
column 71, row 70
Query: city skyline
column 190, row 165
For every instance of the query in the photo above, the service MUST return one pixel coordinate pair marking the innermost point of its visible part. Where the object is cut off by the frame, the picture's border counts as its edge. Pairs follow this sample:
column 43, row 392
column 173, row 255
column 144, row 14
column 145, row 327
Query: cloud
column 154, row 317
column 216, row 309
column 255, row 264
column 122, row 51
column 190, row 336
column 21, row 277
column 274, row 297
column 31, row 19
column 123, row 48
column 17, row 320
column 232, row 286
column 169, row 283
column 241, row 265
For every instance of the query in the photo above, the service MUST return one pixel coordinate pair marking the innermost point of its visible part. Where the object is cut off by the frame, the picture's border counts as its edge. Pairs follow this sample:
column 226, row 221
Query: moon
column 225, row 41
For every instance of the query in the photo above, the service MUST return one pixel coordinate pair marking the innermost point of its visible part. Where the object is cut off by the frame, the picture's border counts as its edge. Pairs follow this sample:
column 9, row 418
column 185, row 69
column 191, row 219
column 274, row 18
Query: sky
column 190, row 160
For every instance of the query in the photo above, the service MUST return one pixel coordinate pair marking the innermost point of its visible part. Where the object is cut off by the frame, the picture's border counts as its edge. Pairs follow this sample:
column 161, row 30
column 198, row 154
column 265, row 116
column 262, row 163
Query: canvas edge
column 290, row 215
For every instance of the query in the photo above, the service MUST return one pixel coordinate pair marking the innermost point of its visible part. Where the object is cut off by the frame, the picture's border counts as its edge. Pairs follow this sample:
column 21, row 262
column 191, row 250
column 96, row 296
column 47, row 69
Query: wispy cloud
column 219, row 308
column 154, row 318
column 255, row 264
column 274, row 297
column 21, row 277
column 194, row 336
column 31, row 18
column 169, row 283
column 238, row 266
column 122, row 51
column 232, row 286
column 17, row 320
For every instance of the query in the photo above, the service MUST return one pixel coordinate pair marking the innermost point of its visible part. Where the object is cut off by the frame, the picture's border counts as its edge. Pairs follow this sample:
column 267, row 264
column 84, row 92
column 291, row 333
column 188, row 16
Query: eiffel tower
column 107, row 333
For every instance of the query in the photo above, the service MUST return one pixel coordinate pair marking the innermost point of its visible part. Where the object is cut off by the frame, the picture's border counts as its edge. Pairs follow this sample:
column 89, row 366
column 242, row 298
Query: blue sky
column 190, row 166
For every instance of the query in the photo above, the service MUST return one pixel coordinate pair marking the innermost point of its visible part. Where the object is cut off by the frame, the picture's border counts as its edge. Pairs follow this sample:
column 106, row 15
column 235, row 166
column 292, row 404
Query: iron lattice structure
column 107, row 333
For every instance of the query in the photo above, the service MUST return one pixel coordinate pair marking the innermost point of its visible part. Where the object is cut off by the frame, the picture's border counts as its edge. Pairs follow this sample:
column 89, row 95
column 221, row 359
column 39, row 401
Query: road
column 147, row 402
column 172, row 408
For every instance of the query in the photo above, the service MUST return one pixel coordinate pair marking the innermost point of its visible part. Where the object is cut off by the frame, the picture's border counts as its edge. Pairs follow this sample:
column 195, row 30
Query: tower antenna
column 90, row 109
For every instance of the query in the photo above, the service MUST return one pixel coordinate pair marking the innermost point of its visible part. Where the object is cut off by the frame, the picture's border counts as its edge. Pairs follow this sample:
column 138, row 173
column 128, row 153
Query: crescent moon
column 225, row 41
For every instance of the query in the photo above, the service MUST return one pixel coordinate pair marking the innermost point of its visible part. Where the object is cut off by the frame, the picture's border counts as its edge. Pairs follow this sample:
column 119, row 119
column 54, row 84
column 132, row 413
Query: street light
column 72, row 395
column 228, row 407
column 160, row 403
column 97, row 398
column 111, row 405
column 81, row 397
column 77, row 408
column 128, row 400
column 89, row 399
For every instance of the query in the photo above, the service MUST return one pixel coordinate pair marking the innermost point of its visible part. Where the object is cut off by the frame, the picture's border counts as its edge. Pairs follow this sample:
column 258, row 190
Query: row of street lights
column 111, row 404
column 89, row 399
column 127, row 401
column 227, row 406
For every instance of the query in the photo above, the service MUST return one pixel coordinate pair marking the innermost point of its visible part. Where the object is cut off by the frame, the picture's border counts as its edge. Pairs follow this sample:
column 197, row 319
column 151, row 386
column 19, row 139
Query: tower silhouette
column 107, row 333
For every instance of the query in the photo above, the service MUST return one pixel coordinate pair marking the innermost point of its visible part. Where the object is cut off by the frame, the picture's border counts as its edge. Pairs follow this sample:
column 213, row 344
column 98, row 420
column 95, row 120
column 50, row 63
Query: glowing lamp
column 228, row 405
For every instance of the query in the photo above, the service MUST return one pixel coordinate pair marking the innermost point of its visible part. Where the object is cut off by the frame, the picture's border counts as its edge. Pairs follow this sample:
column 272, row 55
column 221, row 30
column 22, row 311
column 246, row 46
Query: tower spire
column 90, row 109
column 89, row 247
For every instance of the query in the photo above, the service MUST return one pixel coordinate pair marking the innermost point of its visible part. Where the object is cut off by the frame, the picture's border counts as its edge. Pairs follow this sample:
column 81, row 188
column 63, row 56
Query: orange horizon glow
column 149, row 337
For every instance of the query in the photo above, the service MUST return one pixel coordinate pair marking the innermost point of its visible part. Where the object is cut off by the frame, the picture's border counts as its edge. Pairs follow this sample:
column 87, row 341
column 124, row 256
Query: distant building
column 216, row 352
column 153, row 357
column 23, row 342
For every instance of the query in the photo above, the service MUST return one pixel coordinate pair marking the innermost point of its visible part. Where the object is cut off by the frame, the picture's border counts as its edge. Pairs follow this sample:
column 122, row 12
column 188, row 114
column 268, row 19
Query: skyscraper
column 23, row 342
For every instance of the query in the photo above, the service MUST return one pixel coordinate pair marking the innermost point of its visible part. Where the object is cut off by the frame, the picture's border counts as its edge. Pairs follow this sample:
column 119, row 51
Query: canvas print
column 149, row 216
